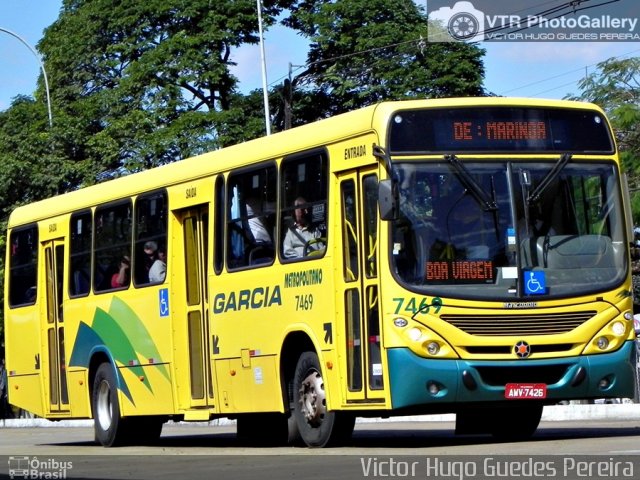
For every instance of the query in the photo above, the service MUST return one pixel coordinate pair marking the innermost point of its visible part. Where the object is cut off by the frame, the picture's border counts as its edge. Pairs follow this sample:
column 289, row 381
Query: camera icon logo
column 463, row 23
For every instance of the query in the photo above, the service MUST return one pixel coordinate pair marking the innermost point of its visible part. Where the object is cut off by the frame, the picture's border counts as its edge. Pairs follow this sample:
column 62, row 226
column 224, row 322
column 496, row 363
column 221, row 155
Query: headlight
column 433, row 348
column 602, row 342
column 618, row 329
column 414, row 334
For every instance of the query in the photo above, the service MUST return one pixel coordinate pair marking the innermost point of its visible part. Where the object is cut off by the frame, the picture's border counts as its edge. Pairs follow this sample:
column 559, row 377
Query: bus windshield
column 509, row 237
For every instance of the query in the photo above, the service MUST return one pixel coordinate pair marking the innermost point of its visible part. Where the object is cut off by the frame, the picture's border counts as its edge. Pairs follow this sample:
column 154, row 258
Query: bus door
column 194, row 259
column 55, row 354
column 359, row 286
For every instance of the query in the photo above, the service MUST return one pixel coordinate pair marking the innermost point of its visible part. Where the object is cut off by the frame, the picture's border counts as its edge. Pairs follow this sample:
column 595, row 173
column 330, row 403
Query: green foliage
column 365, row 51
column 141, row 84
column 615, row 86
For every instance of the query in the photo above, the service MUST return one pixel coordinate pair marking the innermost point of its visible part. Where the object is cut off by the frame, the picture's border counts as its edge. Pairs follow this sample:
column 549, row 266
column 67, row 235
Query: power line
column 533, row 84
column 572, row 5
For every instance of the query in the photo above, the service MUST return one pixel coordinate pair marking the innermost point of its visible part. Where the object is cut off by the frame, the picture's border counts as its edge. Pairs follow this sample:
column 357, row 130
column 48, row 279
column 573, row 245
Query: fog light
column 602, row 343
column 628, row 316
column 433, row 348
column 433, row 388
column 604, row 383
column 414, row 334
column 618, row 329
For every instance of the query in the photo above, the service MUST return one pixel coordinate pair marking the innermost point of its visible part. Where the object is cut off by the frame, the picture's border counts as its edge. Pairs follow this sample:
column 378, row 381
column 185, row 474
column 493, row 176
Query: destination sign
column 460, row 271
column 499, row 129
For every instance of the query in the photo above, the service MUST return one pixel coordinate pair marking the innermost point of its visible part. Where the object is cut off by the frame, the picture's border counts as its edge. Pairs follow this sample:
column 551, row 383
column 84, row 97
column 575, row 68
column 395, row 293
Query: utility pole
column 287, row 93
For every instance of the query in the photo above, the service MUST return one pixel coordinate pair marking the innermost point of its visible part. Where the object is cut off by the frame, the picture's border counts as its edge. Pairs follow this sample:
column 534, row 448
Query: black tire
column 110, row 427
column 516, row 423
column 504, row 422
column 144, row 430
column 267, row 429
column 318, row 427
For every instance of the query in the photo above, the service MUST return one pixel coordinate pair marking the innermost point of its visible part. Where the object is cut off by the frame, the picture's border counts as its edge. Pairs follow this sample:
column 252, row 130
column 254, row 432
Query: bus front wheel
column 108, row 424
column 516, row 423
column 317, row 426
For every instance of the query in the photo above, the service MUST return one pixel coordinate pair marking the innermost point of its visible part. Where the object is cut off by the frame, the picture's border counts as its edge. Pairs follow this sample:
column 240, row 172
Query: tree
column 138, row 84
column 366, row 51
column 615, row 86
column 30, row 166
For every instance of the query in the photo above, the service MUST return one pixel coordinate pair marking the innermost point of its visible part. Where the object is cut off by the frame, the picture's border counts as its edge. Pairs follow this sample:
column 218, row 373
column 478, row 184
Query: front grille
column 509, row 325
column 500, row 376
column 508, row 349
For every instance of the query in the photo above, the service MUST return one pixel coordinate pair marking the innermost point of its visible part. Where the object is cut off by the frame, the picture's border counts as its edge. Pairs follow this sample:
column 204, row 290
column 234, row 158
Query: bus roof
column 322, row 132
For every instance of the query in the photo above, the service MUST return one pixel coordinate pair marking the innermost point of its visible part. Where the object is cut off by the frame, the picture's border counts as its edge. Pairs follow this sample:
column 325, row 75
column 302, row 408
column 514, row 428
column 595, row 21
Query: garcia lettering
column 259, row 297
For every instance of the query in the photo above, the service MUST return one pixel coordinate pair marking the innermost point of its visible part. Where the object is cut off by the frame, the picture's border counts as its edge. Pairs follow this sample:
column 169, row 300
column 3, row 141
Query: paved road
column 413, row 449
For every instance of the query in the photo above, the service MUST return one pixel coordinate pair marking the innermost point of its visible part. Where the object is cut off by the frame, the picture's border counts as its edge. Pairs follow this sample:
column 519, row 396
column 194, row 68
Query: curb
column 554, row 413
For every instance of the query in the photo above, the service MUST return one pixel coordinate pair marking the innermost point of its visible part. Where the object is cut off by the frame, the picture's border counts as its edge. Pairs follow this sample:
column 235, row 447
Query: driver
column 302, row 234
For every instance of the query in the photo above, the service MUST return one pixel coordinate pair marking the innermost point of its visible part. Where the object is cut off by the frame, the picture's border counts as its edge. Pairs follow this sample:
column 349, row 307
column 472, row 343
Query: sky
column 524, row 69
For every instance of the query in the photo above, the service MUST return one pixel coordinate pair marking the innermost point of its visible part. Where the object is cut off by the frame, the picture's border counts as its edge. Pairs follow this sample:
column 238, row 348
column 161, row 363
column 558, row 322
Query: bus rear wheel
column 317, row 426
column 108, row 424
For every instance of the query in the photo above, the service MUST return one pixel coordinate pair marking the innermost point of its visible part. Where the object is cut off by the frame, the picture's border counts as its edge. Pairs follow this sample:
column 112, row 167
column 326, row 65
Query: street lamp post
column 44, row 72
column 265, row 91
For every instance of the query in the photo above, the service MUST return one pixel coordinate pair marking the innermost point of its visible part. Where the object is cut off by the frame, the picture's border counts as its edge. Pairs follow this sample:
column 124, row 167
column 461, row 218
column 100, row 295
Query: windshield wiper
column 549, row 177
column 470, row 184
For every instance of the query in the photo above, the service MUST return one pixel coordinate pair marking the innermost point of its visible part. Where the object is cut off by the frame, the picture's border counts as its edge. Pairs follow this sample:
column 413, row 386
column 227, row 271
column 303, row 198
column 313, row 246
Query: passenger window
column 112, row 266
column 80, row 254
column 218, row 243
column 370, row 223
column 303, row 214
column 251, row 208
column 23, row 262
column 151, row 239
column 351, row 270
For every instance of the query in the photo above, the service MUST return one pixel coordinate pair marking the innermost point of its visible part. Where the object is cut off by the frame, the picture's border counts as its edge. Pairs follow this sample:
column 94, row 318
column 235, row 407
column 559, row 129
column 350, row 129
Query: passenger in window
column 258, row 230
column 158, row 270
column 150, row 257
column 121, row 277
column 302, row 238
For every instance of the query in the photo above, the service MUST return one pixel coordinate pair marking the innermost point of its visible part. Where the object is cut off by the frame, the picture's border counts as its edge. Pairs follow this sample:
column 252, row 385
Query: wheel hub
column 312, row 399
column 105, row 412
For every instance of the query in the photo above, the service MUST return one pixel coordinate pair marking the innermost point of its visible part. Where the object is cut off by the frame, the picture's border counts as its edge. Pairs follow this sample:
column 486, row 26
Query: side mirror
column 388, row 199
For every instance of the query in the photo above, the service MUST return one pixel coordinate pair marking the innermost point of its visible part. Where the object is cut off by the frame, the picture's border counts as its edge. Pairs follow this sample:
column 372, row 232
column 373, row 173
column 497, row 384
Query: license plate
column 517, row 391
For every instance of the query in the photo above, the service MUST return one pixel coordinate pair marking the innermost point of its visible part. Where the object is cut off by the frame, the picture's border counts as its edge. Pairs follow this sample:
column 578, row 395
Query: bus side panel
column 150, row 390
column 256, row 377
column 79, row 388
column 24, row 359
column 126, row 328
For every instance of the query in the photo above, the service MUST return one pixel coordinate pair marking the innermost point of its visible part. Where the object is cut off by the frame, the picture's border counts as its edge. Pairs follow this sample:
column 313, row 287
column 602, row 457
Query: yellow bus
column 428, row 256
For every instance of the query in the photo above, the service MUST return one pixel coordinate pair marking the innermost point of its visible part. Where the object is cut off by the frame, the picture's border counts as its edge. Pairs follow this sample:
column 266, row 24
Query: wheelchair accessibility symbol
column 535, row 283
column 164, row 302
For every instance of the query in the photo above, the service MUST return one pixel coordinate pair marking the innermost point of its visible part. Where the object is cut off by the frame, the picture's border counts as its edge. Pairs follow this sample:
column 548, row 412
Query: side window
column 350, row 270
column 150, row 261
column 80, row 254
column 218, row 240
column 23, row 262
column 112, row 265
column 303, row 214
column 251, row 208
column 370, row 223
